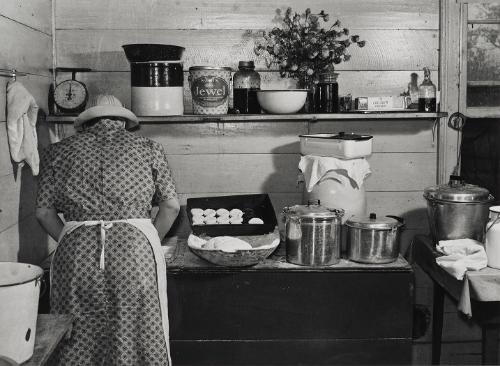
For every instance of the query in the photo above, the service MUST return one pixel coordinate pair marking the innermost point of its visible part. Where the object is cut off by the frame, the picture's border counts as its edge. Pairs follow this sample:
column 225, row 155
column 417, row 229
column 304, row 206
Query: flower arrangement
column 302, row 48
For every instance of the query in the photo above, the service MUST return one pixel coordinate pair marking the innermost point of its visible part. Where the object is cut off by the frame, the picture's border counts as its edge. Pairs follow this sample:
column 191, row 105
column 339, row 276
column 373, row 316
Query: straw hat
column 104, row 105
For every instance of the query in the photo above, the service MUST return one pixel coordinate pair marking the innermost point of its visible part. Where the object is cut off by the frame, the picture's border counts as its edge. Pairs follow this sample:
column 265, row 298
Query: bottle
column 326, row 95
column 246, row 82
column 492, row 237
column 413, row 91
column 427, row 93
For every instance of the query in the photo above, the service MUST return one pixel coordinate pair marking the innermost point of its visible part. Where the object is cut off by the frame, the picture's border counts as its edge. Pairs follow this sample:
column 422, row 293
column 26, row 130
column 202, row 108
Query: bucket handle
column 402, row 222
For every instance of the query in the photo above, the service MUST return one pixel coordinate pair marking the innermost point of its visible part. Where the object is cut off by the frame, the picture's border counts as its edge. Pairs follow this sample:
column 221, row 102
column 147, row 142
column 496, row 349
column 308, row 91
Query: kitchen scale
column 70, row 96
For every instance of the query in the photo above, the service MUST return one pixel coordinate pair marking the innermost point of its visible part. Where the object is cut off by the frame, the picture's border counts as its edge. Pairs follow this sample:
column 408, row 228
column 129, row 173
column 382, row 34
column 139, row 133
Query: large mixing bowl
column 144, row 52
column 282, row 101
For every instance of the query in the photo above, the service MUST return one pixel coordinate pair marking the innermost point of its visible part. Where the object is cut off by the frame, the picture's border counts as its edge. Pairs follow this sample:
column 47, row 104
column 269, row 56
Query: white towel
column 315, row 167
column 22, row 112
column 461, row 255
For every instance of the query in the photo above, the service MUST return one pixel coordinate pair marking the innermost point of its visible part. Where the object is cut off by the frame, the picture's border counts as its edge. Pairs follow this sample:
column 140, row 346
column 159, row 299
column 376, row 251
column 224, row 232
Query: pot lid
column 313, row 211
column 374, row 222
column 339, row 136
column 456, row 190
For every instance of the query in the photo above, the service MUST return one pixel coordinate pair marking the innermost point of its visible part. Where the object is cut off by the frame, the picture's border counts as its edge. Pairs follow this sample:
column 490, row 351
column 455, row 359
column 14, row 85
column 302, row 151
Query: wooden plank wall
column 25, row 44
column 253, row 157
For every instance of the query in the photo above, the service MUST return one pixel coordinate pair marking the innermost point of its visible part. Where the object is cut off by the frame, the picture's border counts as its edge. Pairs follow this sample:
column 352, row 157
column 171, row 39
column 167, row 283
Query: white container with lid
column 492, row 241
column 341, row 145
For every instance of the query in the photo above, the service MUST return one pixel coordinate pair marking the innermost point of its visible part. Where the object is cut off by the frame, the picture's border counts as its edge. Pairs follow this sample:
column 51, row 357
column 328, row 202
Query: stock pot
column 313, row 235
column 373, row 240
column 457, row 210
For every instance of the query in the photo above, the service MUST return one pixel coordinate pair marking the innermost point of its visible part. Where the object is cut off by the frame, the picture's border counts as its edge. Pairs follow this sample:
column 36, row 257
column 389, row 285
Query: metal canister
column 457, row 210
column 313, row 235
column 210, row 89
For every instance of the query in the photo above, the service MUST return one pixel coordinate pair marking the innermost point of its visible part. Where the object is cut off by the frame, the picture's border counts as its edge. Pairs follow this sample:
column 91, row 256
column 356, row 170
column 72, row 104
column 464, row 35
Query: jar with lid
column 246, row 82
column 326, row 95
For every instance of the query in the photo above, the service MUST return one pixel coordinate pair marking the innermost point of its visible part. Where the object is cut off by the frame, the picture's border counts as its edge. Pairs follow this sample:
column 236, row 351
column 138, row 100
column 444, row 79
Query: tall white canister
column 19, row 293
column 492, row 242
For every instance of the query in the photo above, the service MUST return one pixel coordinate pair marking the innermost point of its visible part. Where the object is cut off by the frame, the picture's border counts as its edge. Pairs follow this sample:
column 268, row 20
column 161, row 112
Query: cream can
column 210, row 89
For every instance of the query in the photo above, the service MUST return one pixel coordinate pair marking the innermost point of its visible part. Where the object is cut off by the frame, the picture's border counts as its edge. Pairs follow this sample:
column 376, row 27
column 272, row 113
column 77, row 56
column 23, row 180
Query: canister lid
column 313, row 211
column 456, row 190
column 210, row 68
column 246, row 64
column 339, row 136
column 373, row 222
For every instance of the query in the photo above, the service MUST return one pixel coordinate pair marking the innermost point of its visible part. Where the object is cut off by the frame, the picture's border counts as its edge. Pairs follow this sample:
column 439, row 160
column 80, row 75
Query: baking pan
column 252, row 205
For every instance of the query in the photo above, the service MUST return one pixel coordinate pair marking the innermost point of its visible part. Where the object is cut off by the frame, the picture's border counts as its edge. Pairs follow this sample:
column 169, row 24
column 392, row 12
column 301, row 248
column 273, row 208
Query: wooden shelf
column 192, row 118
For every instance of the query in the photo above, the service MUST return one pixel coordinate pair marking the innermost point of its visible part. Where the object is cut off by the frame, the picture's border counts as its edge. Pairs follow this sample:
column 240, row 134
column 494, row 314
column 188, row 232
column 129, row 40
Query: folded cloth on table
column 22, row 113
column 461, row 255
column 315, row 168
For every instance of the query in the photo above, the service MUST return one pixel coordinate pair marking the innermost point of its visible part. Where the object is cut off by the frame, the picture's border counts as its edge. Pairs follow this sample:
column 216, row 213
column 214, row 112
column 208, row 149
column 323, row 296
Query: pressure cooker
column 313, row 235
column 457, row 210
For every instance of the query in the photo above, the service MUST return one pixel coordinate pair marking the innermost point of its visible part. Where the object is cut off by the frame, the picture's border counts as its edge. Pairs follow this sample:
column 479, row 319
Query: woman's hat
column 104, row 105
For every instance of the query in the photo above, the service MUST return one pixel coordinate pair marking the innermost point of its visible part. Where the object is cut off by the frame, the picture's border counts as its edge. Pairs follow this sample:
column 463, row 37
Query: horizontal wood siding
column 25, row 45
column 251, row 157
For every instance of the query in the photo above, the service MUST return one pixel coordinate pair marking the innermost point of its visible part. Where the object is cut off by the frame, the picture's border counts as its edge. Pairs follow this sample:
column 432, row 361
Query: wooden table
column 50, row 330
column 486, row 314
column 277, row 313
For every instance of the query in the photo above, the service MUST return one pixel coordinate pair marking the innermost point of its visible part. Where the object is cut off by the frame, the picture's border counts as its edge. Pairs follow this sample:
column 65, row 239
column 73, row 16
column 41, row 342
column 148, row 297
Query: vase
column 310, row 84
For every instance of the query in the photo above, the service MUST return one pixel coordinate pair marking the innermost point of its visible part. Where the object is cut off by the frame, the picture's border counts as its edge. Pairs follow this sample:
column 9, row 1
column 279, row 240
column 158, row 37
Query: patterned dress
column 107, row 173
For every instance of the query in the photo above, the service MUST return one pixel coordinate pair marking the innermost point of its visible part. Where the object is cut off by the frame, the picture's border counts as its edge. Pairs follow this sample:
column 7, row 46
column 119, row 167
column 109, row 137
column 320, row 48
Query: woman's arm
column 50, row 221
column 167, row 213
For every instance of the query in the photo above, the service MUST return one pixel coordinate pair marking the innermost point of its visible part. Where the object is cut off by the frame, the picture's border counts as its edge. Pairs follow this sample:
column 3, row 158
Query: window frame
column 474, row 112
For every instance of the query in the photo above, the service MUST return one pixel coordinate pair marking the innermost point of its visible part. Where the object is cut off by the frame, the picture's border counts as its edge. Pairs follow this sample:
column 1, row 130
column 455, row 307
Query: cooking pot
column 373, row 240
column 457, row 210
column 313, row 235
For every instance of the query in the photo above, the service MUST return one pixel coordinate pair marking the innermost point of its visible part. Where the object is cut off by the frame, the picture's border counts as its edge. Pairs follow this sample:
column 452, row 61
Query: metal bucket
column 19, row 293
column 313, row 235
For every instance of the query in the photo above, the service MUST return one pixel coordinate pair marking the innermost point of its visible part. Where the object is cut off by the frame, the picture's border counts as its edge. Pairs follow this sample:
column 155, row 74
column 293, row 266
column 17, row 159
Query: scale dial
column 71, row 96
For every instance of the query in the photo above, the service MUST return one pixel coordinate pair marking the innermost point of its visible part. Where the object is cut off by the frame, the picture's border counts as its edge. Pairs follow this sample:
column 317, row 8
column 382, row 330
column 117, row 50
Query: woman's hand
column 50, row 221
column 167, row 213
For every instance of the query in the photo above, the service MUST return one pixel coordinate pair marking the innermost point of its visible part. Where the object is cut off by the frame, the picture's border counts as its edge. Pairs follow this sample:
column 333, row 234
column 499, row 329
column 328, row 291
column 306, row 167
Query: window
column 480, row 64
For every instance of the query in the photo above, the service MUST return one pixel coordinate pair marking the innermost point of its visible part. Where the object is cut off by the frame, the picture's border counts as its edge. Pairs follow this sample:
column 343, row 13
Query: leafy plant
column 302, row 48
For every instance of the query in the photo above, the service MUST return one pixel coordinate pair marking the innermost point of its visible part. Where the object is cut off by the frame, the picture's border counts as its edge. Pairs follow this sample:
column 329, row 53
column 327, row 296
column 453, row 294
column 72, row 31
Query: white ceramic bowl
column 282, row 101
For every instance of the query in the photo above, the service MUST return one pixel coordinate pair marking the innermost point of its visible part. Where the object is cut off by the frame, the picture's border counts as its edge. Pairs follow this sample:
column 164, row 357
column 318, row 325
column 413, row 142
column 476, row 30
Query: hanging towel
column 315, row 167
column 22, row 112
column 461, row 255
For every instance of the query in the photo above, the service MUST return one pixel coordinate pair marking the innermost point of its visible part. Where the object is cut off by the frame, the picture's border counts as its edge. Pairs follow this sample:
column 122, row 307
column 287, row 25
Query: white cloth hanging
column 22, row 113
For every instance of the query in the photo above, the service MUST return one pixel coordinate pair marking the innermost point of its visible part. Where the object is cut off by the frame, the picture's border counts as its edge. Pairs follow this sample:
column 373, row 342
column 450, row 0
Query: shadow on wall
column 33, row 240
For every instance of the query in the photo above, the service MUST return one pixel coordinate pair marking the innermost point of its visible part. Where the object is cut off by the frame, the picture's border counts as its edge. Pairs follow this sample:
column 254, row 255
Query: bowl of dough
column 232, row 251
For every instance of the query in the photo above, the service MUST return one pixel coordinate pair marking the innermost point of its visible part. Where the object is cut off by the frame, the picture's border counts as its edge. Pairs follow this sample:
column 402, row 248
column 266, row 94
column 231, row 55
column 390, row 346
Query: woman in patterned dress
column 108, row 270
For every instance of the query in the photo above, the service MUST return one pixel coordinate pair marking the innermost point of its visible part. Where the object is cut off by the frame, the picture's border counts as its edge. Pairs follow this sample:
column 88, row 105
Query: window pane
column 483, row 65
column 484, row 11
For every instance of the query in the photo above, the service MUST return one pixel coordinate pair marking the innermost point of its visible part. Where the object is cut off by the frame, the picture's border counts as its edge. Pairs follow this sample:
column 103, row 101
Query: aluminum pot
column 313, row 235
column 373, row 240
column 457, row 210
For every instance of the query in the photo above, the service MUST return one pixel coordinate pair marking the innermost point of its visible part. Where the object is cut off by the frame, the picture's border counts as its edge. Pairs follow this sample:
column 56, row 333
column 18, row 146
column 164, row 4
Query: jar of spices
column 326, row 95
column 246, row 82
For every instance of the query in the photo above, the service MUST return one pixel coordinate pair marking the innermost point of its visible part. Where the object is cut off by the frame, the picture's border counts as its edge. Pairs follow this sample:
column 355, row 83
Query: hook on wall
column 11, row 73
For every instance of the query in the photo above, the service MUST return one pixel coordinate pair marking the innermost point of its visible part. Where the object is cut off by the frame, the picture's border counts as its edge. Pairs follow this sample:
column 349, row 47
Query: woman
column 108, row 271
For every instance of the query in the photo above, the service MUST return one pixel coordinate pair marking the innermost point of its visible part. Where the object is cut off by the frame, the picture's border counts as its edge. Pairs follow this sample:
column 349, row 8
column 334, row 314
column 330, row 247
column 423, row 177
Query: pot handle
column 400, row 219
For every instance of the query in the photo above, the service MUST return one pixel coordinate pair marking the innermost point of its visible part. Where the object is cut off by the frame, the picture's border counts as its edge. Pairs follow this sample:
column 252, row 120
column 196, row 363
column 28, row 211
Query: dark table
column 485, row 313
column 277, row 313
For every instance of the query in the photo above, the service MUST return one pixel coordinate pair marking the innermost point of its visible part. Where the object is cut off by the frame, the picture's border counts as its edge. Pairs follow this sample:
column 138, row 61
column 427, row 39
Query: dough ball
column 211, row 220
column 235, row 220
column 236, row 213
column 223, row 220
column 196, row 212
column 255, row 220
column 227, row 244
column 209, row 212
column 222, row 212
column 198, row 221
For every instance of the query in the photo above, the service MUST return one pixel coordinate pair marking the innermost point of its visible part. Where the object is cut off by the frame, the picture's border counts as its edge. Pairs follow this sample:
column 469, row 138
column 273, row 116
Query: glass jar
column 246, row 82
column 326, row 95
column 427, row 93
